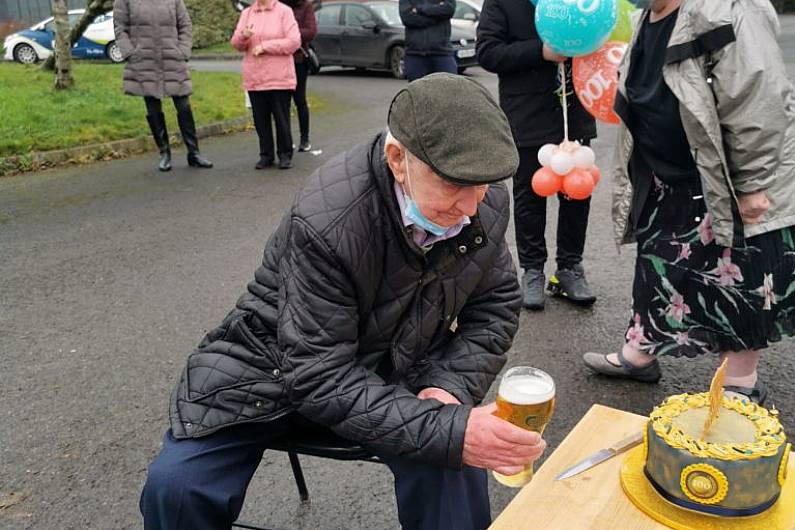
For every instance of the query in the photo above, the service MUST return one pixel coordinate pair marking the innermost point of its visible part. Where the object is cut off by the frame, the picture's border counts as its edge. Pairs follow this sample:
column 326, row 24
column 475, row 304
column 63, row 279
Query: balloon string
column 562, row 67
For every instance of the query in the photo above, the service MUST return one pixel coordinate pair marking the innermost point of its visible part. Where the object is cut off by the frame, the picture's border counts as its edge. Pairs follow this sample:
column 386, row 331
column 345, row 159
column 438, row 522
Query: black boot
column 157, row 124
column 570, row 284
column 188, row 129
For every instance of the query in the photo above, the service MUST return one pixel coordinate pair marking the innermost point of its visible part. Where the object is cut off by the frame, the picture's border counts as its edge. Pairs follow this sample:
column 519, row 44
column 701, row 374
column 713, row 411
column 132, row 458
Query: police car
column 36, row 43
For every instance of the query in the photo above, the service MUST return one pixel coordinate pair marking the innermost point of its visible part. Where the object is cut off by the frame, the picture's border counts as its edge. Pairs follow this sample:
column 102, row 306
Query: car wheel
column 462, row 69
column 397, row 62
column 25, row 54
column 113, row 52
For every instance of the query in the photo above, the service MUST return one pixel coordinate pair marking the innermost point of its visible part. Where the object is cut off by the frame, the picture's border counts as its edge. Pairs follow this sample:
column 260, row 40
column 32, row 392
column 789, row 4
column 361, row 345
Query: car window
column 388, row 11
column 462, row 10
column 102, row 18
column 50, row 26
column 73, row 18
column 357, row 16
column 329, row 16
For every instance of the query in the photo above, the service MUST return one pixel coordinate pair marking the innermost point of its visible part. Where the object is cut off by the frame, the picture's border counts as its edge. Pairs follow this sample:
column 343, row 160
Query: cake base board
column 780, row 516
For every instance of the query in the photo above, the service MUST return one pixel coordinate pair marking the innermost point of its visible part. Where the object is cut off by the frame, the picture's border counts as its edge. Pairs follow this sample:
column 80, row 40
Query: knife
column 600, row 456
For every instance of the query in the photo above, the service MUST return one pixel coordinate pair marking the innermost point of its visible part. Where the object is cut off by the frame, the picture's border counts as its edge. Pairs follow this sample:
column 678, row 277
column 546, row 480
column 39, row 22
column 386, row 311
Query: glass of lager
column 526, row 398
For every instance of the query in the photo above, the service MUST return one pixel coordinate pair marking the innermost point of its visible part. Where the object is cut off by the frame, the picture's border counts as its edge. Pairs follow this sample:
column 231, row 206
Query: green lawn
column 223, row 47
column 34, row 117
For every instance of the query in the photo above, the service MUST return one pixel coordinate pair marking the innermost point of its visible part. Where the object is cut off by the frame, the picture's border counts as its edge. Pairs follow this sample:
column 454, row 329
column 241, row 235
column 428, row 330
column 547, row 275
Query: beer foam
column 526, row 390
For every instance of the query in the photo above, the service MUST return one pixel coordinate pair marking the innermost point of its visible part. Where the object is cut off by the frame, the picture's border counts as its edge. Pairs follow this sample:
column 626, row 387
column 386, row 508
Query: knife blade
column 602, row 455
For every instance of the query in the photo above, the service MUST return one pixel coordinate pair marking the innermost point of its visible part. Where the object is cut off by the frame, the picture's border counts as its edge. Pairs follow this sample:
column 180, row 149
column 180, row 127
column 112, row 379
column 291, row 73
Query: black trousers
column 155, row 106
column 299, row 97
column 267, row 104
column 530, row 219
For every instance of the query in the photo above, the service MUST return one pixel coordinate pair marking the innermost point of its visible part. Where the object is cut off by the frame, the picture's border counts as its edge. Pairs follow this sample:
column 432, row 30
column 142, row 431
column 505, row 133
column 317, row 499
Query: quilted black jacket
column 346, row 320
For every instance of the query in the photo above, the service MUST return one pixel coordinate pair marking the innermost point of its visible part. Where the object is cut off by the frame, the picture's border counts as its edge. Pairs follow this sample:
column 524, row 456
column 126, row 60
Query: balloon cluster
column 568, row 168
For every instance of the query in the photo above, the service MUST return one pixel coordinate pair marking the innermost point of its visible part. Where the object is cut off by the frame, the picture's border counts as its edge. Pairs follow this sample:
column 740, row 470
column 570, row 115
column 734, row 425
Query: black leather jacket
column 347, row 319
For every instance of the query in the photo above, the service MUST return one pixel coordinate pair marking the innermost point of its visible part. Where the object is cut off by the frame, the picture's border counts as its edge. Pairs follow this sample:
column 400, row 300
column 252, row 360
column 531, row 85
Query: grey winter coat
column 155, row 38
column 725, row 67
column 347, row 319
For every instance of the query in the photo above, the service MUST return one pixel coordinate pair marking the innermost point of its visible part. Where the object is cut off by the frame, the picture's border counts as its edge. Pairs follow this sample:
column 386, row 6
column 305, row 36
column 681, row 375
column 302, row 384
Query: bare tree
column 93, row 10
column 62, row 48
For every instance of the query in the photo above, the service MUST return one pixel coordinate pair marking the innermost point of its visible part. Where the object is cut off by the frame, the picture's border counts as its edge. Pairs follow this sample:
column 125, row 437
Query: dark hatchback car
column 370, row 35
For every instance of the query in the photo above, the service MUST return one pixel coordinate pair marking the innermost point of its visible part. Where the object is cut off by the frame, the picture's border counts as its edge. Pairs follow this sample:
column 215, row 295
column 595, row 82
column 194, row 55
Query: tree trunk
column 62, row 49
column 93, row 10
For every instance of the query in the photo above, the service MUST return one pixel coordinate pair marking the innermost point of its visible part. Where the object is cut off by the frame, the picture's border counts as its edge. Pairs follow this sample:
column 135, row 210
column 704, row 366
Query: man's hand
column 753, row 206
column 248, row 31
column 492, row 443
column 439, row 395
column 552, row 56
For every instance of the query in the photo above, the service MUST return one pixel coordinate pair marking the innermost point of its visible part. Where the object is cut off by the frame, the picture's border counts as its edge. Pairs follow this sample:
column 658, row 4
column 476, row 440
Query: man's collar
column 420, row 236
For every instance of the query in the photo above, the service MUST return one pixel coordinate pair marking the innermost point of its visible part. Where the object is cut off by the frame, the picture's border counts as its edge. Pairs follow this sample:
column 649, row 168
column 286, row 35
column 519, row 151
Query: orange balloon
column 578, row 184
column 595, row 79
column 546, row 182
column 596, row 174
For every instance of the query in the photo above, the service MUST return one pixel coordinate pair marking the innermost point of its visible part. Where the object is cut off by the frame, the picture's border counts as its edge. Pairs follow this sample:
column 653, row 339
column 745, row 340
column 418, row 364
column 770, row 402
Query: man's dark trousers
column 201, row 483
column 418, row 66
column 530, row 217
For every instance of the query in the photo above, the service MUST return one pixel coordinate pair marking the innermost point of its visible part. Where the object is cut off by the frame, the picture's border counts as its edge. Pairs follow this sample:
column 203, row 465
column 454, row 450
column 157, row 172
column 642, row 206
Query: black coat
column 509, row 46
column 347, row 319
column 427, row 26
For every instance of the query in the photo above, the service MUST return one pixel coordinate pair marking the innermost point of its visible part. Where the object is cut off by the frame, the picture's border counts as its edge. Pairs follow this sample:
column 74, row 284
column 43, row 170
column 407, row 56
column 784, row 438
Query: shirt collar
column 258, row 7
column 421, row 237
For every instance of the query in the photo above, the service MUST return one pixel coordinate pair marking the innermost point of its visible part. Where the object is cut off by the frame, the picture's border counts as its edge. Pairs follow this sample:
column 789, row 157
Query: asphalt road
column 110, row 274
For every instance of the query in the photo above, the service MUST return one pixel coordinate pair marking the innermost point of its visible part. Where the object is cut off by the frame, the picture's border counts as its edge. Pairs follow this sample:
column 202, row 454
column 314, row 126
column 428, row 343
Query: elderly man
column 383, row 309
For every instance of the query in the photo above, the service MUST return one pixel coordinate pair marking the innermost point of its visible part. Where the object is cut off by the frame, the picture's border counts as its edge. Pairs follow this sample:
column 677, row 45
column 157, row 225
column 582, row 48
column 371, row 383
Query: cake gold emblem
column 782, row 467
column 704, row 484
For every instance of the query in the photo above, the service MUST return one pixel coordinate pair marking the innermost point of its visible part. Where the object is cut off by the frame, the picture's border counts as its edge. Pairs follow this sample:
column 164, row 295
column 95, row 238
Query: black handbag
column 312, row 59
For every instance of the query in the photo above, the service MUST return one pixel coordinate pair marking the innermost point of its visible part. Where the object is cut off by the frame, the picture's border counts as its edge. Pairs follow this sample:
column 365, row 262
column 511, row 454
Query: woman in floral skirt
column 705, row 184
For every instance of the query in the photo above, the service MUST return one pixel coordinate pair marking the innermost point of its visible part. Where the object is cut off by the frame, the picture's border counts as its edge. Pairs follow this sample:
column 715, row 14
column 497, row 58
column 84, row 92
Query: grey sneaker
column 757, row 394
column 571, row 285
column 598, row 362
column 533, row 289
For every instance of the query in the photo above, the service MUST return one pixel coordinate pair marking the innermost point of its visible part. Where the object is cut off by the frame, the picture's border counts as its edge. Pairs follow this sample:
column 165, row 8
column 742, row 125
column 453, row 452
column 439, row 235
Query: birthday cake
column 735, row 467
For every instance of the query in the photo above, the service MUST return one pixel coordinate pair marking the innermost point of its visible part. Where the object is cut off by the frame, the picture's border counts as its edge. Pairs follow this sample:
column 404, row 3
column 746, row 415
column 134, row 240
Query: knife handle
column 630, row 441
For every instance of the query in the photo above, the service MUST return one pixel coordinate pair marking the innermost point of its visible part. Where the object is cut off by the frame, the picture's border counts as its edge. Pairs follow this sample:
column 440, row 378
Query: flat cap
column 452, row 124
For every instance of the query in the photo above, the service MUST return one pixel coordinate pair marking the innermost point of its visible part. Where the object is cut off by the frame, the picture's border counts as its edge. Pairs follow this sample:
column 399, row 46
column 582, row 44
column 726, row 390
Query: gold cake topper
column 715, row 397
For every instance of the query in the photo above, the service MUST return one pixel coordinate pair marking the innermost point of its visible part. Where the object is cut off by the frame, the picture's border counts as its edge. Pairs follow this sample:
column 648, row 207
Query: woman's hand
column 257, row 51
column 753, row 206
column 248, row 31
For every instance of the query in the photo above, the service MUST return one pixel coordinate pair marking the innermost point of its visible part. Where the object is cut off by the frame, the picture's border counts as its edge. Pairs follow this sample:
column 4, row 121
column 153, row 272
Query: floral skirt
column 691, row 296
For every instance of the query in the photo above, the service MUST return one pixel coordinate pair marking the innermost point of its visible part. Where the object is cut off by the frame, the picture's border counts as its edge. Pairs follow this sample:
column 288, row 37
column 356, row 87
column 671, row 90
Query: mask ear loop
column 408, row 179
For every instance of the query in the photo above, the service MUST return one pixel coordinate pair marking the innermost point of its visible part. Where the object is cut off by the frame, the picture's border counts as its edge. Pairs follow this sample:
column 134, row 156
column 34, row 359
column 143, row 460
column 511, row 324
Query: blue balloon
column 575, row 27
column 534, row 2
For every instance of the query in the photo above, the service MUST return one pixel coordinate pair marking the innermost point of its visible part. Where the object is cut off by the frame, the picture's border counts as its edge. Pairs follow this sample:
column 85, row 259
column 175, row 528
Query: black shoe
column 533, row 289
column 757, row 394
column 651, row 373
column 264, row 162
column 285, row 162
column 304, row 146
column 157, row 124
column 571, row 285
column 188, row 129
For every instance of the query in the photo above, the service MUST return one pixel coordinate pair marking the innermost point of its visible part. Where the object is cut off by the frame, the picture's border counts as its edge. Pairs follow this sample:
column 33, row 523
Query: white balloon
column 562, row 163
column 545, row 154
column 584, row 157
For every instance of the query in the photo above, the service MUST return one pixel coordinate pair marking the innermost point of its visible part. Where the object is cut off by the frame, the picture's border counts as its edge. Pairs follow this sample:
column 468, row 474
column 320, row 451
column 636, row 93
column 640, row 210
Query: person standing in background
column 268, row 35
column 155, row 40
column 530, row 94
column 307, row 25
column 428, row 48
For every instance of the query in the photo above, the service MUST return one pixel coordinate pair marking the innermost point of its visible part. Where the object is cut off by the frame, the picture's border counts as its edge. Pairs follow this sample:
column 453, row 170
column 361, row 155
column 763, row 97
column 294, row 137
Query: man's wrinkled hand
column 753, row 206
column 493, row 443
column 439, row 395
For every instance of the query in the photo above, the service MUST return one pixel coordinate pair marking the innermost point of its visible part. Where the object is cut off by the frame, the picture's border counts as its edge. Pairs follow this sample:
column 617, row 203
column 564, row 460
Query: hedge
column 213, row 21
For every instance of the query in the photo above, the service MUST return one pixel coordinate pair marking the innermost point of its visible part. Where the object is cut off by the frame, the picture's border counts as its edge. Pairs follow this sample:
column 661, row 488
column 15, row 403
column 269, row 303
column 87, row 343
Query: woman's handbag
column 313, row 61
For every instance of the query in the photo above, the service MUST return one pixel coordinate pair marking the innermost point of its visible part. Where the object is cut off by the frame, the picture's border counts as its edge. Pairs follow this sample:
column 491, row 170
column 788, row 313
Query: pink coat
column 275, row 30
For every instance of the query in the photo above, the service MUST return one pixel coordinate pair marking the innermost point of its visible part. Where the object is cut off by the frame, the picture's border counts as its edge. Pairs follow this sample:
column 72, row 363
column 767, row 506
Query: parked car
column 467, row 14
column 370, row 35
column 36, row 43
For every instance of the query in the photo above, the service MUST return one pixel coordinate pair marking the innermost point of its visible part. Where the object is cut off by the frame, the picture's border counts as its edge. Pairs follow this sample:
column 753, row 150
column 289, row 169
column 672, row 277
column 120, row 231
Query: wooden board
column 591, row 500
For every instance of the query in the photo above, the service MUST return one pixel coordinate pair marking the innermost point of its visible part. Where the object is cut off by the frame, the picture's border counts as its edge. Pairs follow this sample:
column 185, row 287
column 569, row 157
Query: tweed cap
column 454, row 125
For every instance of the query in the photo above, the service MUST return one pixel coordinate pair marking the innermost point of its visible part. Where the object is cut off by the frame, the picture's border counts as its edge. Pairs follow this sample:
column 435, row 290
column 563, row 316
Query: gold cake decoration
column 782, row 468
column 704, row 484
column 645, row 443
column 768, row 439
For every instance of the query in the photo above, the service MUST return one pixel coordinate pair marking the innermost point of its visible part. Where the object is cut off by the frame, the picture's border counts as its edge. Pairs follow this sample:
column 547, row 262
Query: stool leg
column 299, row 476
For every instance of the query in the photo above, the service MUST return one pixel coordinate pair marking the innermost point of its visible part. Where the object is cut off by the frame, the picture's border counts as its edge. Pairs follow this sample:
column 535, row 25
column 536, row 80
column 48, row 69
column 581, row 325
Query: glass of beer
column 526, row 398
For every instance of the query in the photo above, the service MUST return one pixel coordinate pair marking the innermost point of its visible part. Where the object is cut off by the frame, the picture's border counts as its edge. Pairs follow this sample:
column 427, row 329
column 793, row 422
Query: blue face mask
column 413, row 213
column 643, row 4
